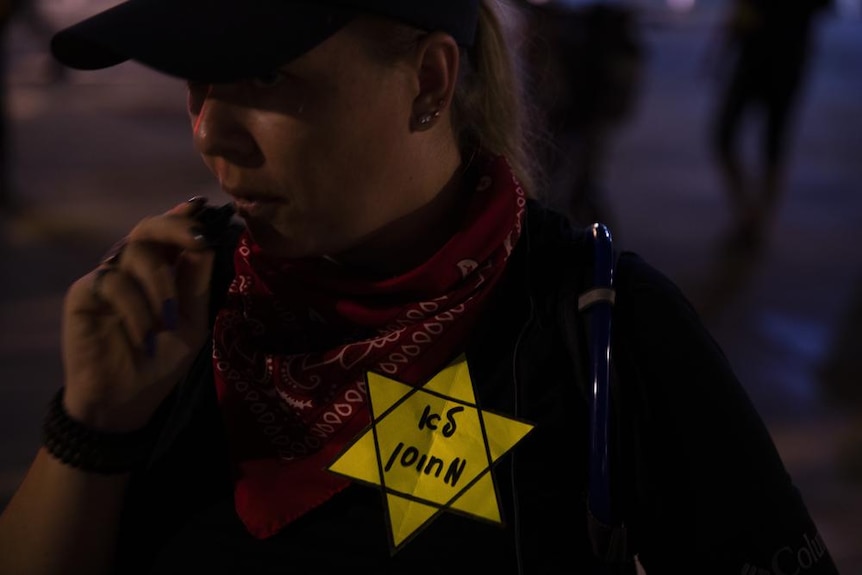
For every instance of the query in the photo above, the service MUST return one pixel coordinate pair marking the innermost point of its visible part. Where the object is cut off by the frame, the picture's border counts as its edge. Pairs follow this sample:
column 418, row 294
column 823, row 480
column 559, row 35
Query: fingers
column 189, row 208
column 176, row 228
column 156, row 279
column 119, row 292
column 193, row 274
column 145, row 265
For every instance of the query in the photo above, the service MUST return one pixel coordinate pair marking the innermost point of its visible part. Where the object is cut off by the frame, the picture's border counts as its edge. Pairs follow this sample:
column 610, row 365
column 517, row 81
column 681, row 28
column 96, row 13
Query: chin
column 270, row 241
column 277, row 244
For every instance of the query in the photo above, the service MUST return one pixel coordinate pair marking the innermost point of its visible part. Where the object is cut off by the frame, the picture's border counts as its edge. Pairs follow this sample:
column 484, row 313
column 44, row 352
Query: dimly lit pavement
column 93, row 155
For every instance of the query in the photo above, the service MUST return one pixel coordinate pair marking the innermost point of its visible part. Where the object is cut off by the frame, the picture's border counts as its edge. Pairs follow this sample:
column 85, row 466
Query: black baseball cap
column 228, row 40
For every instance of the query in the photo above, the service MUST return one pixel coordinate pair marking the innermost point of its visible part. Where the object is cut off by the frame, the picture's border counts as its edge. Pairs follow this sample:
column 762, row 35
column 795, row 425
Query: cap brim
column 201, row 40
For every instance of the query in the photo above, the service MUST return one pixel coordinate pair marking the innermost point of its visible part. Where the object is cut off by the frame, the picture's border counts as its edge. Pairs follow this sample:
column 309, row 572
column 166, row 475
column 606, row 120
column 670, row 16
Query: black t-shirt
column 697, row 477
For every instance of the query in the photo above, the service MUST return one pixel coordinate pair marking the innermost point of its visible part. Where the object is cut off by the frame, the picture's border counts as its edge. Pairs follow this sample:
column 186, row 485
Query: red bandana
column 296, row 338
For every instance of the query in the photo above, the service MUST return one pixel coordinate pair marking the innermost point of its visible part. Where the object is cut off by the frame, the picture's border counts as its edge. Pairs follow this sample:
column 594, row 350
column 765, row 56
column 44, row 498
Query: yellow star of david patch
column 431, row 450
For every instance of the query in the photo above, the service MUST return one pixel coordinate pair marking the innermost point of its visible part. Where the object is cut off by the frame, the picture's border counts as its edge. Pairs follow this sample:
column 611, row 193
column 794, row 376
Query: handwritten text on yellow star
column 431, row 449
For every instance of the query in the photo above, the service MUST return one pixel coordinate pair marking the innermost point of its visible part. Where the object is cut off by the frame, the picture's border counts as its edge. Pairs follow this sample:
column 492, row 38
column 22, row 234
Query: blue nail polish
column 170, row 314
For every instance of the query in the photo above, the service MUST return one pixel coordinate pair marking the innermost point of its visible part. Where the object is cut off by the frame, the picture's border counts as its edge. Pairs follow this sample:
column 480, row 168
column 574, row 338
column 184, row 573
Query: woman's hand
column 132, row 327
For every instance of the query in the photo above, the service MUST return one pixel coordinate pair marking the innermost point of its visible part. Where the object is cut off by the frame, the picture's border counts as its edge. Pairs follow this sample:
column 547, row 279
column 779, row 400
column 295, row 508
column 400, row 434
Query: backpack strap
column 587, row 329
column 595, row 306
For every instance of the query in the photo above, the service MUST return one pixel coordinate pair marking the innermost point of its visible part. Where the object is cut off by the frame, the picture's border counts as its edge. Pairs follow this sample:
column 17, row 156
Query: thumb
column 193, row 274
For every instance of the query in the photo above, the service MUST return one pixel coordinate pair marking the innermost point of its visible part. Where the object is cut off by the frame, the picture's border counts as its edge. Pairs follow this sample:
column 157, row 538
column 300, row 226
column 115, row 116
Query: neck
column 410, row 240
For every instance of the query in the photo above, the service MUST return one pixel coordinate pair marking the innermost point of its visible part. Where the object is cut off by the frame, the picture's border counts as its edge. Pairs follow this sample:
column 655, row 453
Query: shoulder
column 559, row 253
column 555, row 249
column 662, row 342
column 650, row 299
column 637, row 277
column 547, row 226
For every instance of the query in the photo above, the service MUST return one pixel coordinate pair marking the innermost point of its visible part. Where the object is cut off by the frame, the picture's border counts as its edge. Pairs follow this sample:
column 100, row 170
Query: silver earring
column 426, row 119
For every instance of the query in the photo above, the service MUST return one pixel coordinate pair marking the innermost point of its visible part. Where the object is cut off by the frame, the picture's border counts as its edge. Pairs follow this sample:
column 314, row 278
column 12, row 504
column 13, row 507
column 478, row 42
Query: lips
column 246, row 202
column 251, row 203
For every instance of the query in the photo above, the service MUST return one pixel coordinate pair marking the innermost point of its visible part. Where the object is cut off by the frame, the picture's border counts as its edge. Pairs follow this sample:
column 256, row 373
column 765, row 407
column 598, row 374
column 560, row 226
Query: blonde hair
column 489, row 109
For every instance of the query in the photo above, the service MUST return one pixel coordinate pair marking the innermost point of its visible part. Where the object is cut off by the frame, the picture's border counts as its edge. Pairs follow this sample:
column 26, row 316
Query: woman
column 377, row 370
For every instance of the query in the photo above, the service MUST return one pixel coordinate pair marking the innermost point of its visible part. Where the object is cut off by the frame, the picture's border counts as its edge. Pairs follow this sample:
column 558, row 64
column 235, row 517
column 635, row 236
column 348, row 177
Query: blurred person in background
column 586, row 59
column 763, row 55
column 246, row 395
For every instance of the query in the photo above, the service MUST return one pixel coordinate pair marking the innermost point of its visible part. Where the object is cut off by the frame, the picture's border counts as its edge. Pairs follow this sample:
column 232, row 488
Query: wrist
column 94, row 449
column 99, row 418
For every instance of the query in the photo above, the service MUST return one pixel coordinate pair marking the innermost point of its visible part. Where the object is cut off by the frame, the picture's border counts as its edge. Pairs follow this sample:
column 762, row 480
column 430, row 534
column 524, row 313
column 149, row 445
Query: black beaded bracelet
column 91, row 450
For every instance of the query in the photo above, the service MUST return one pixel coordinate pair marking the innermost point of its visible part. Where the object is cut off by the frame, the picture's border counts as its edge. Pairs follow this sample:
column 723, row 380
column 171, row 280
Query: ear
column 437, row 60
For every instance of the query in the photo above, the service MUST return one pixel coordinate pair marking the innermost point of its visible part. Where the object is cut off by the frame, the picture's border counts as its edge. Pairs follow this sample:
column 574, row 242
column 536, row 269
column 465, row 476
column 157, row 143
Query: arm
column 124, row 350
column 714, row 495
column 60, row 517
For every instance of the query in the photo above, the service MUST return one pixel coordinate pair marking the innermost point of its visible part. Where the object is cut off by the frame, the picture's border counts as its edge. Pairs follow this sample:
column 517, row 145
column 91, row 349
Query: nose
column 220, row 124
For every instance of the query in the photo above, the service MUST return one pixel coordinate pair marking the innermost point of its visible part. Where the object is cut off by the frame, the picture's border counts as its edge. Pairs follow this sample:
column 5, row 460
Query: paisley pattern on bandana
column 295, row 339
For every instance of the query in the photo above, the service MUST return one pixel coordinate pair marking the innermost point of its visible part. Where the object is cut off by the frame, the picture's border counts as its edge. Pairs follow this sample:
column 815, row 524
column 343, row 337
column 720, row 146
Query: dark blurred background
column 764, row 238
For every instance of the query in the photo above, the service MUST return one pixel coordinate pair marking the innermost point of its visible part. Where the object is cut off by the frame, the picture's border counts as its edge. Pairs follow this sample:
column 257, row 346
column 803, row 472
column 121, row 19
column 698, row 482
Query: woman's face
column 317, row 156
